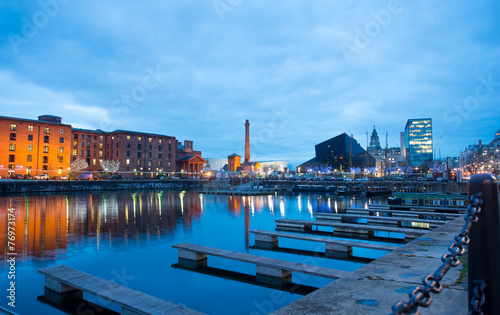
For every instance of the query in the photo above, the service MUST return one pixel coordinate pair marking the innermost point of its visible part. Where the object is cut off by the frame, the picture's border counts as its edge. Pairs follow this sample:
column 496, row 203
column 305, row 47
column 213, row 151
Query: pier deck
column 266, row 266
column 62, row 279
column 406, row 213
column 333, row 247
column 306, row 225
column 399, row 221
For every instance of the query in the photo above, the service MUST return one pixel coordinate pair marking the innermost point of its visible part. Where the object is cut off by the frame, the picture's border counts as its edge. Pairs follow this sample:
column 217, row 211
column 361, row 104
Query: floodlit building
column 341, row 153
column 418, row 141
column 34, row 147
column 47, row 146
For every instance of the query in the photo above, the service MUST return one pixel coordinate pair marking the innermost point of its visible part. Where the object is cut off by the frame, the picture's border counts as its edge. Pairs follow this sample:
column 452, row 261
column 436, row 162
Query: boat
column 428, row 199
column 315, row 189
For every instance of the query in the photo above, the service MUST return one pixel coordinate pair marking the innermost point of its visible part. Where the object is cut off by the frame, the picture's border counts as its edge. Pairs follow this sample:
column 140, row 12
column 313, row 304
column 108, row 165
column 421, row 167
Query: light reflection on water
column 106, row 233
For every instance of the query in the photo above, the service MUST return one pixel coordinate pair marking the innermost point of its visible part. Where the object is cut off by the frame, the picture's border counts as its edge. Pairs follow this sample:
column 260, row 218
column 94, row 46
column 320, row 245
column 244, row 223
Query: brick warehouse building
column 140, row 154
column 34, row 147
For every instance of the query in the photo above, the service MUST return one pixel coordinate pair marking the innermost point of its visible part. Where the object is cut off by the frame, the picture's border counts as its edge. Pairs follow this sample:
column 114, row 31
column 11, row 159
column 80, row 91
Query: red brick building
column 34, row 147
column 48, row 146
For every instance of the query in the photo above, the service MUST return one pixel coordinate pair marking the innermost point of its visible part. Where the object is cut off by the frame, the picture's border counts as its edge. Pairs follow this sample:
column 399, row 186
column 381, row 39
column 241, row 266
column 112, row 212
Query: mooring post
column 484, row 246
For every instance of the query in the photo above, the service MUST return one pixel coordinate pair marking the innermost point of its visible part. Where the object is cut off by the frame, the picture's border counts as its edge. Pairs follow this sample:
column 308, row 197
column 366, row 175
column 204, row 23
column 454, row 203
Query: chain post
column 484, row 253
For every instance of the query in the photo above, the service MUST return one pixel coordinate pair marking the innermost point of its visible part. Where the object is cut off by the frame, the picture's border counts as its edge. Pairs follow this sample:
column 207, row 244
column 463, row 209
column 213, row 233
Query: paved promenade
column 375, row 287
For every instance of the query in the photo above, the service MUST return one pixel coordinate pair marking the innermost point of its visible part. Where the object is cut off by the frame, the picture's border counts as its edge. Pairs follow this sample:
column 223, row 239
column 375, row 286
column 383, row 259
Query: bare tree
column 79, row 164
column 110, row 166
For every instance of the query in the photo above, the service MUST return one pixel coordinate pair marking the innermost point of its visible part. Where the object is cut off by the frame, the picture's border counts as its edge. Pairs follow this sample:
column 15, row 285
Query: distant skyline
column 302, row 72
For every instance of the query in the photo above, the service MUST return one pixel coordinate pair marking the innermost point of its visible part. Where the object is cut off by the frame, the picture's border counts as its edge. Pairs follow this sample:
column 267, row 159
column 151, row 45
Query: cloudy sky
column 300, row 71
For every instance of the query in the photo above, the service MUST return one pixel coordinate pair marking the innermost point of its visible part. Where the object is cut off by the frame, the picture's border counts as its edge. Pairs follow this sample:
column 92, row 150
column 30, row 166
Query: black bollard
column 484, row 246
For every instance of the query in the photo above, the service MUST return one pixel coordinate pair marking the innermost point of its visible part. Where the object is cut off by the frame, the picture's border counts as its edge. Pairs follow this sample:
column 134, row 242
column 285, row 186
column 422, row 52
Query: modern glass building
column 418, row 141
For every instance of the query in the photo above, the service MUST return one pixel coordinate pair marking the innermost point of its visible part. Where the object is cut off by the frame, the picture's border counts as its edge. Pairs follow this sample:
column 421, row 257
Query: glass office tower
column 418, row 138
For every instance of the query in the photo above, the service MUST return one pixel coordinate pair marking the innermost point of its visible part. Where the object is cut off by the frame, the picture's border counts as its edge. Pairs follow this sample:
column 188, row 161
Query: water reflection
column 46, row 225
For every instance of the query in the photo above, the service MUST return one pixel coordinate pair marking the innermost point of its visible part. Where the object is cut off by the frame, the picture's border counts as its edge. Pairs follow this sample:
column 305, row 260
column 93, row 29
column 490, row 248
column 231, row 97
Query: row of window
column 13, row 127
column 101, row 138
column 12, row 147
column 29, row 158
column 30, row 138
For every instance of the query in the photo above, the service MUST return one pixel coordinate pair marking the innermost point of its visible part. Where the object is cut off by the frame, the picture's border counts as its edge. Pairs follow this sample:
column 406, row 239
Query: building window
column 138, row 162
column 88, row 152
column 149, row 163
column 150, row 155
column 47, row 130
column 61, row 149
column 30, row 128
column 12, row 158
column 117, row 153
column 128, row 145
column 127, row 161
column 100, row 153
column 30, row 147
column 100, row 145
column 150, row 147
column 75, row 143
column 61, row 159
column 75, row 136
column 13, row 136
column 45, row 167
column 75, row 152
column 88, row 137
column 101, row 137
column 159, row 155
column 83, row 137
column 94, row 161
column 128, row 153
column 100, row 162
column 159, row 141
column 150, row 139
column 139, row 155
column 81, row 152
column 29, row 157
column 46, row 139
column 12, row 167
column 95, row 138
column 13, row 127
column 61, row 131
column 139, row 139
column 128, row 137
column 45, row 149
column 82, row 144
column 12, row 147
column 139, row 146
column 160, row 148
column 45, row 159
column 30, row 137
column 169, row 147
column 61, row 140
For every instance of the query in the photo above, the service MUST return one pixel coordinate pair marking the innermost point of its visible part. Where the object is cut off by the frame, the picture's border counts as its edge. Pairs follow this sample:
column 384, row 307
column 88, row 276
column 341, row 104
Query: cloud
column 260, row 58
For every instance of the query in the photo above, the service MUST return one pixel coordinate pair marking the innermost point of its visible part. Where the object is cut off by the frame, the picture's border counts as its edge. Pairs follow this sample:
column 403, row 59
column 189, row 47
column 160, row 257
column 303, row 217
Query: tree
column 110, row 166
column 79, row 164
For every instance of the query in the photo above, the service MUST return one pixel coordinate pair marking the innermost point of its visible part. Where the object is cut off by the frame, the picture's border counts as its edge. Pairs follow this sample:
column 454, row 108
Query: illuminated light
column 181, row 197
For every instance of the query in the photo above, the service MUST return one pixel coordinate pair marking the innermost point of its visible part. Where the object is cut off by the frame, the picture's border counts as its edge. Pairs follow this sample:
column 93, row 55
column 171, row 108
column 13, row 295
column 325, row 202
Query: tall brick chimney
column 247, row 142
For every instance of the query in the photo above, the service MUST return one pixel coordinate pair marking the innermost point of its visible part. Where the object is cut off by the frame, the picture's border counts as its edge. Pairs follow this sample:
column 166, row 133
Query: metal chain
column 421, row 296
column 478, row 299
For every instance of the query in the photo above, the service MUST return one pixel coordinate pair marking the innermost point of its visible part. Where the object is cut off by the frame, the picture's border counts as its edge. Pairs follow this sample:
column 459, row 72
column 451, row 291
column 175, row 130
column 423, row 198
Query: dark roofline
column 34, row 120
column 139, row 133
column 89, row 130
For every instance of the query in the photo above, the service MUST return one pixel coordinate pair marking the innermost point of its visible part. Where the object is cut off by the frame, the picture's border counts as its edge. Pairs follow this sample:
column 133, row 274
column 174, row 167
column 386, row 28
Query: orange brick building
column 34, row 147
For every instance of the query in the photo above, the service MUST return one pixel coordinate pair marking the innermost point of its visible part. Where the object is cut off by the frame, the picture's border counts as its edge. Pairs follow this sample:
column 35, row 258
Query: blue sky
column 300, row 71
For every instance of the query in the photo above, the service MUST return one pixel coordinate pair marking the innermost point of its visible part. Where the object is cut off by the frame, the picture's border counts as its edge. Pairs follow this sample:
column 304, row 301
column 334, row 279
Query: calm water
column 127, row 236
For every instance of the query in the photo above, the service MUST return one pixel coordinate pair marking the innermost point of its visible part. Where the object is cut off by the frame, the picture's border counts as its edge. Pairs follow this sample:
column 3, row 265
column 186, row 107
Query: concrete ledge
column 375, row 287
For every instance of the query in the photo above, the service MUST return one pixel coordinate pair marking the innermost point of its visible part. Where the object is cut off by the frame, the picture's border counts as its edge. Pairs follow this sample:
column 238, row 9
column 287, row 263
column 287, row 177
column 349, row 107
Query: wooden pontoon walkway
column 306, row 225
column 62, row 279
column 265, row 265
column 333, row 247
column 406, row 213
column 399, row 221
